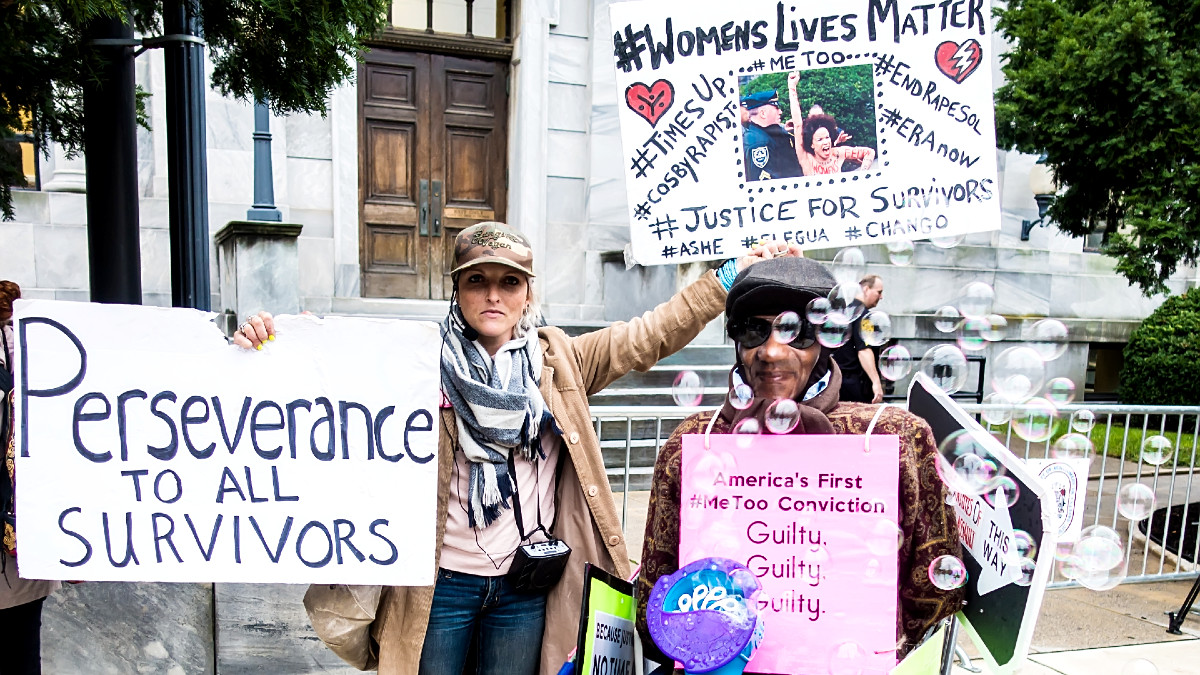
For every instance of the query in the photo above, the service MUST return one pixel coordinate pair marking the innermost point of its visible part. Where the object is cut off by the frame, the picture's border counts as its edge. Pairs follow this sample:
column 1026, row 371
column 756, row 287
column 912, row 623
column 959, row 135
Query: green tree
column 291, row 53
column 1162, row 358
column 1109, row 91
column 844, row 93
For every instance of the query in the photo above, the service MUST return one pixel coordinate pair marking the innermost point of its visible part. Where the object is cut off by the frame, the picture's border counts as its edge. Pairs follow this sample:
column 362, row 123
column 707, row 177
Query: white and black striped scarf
column 499, row 411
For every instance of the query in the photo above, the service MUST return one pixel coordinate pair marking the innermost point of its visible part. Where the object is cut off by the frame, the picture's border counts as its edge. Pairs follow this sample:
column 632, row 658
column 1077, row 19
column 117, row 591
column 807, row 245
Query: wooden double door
column 432, row 161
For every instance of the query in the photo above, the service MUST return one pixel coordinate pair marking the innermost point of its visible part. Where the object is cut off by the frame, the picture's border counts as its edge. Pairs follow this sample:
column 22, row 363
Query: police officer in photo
column 770, row 149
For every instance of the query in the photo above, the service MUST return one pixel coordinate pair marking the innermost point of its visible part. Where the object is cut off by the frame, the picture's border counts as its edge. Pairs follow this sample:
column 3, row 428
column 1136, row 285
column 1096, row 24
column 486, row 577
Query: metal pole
column 187, row 160
column 110, row 159
column 264, row 180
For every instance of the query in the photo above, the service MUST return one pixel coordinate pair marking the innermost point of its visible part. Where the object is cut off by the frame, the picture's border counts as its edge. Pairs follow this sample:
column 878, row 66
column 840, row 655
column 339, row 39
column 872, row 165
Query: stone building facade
column 565, row 190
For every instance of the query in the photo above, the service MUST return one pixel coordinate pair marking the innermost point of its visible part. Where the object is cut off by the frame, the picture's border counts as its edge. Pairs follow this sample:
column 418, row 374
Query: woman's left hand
column 767, row 251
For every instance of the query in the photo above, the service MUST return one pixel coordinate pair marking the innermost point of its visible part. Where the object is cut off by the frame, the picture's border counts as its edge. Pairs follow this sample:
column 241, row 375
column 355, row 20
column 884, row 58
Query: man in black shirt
column 860, row 377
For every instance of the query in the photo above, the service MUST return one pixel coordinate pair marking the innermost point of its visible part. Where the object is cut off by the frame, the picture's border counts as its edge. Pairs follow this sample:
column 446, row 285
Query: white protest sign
column 612, row 649
column 149, row 449
column 987, row 532
column 1067, row 479
column 889, row 136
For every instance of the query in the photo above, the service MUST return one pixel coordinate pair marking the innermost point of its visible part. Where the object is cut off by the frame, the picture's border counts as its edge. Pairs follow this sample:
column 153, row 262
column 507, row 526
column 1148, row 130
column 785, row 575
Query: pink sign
column 815, row 519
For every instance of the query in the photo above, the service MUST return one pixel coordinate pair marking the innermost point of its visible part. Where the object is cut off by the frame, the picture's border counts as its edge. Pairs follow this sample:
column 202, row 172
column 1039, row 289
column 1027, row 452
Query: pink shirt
column 467, row 550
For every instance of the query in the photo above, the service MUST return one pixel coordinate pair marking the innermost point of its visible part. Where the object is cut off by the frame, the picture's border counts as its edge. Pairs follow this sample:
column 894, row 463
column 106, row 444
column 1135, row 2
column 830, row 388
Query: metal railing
column 632, row 435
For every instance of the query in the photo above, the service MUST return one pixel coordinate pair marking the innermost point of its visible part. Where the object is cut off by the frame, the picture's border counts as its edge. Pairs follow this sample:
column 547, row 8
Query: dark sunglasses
column 752, row 332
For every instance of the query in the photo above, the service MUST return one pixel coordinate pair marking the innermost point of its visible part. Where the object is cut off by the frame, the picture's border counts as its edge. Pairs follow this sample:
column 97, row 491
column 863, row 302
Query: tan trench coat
column 573, row 368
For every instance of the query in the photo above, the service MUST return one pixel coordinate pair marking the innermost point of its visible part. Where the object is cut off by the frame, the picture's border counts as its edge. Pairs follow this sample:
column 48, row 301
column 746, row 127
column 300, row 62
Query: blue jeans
column 507, row 627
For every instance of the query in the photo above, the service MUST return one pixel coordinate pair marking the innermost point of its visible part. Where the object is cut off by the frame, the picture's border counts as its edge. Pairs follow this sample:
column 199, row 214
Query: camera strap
column 512, row 471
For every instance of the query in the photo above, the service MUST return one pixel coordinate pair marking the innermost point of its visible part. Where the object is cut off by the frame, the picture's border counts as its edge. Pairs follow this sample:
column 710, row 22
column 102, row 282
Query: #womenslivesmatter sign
column 151, row 450
column 815, row 519
column 862, row 123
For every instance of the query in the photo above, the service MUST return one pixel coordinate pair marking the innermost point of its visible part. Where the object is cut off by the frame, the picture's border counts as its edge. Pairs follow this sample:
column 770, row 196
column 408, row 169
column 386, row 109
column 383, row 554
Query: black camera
column 536, row 568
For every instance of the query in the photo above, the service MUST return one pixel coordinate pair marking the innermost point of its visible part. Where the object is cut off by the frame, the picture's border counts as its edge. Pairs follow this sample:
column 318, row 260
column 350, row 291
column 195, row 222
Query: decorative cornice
column 443, row 43
column 256, row 228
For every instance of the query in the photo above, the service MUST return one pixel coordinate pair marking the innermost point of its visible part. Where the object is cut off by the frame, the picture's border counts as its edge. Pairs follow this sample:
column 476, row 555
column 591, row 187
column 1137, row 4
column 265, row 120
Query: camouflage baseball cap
column 492, row 242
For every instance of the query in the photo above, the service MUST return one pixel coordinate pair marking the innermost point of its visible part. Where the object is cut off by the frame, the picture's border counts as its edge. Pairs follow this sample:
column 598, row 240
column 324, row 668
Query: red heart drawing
column 957, row 61
column 650, row 102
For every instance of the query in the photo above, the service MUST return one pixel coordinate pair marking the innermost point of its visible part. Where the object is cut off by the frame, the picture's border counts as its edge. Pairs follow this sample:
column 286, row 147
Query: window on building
column 22, row 148
column 473, row 18
column 1105, row 360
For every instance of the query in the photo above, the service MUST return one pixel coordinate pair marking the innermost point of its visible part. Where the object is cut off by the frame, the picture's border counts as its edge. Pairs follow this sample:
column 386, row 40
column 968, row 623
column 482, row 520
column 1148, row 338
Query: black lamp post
column 1041, row 182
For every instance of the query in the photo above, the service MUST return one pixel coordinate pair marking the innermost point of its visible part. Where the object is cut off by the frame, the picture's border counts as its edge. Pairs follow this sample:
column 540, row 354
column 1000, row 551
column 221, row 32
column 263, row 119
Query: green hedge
column 1162, row 359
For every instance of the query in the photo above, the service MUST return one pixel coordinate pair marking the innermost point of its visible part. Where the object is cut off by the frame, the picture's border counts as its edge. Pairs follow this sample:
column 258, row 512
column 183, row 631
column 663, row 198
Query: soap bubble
column 1024, row 544
column 946, row 366
column 1033, row 420
column 965, row 465
column 848, row 266
column 687, row 389
column 997, row 415
column 1135, row 501
column 848, row 658
column 1018, row 373
column 945, row 319
column 947, row 572
column 741, row 396
column 976, row 300
column 894, row 363
column 745, row 431
column 785, row 327
column 1139, row 667
column 1083, row 421
column 997, row 328
column 1157, row 450
column 782, row 416
column 844, row 305
column 970, row 334
column 876, row 328
column 1048, row 338
column 744, row 582
column 1099, row 548
column 1028, row 569
column 1060, row 390
column 1103, row 580
column 1005, row 489
column 949, row 241
column 900, row 253
column 885, row 538
column 833, row 334
column 1072, row 446
column 817, row 310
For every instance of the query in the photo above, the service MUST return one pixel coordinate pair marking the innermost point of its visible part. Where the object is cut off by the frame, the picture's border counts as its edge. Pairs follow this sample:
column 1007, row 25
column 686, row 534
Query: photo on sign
column 831, row 131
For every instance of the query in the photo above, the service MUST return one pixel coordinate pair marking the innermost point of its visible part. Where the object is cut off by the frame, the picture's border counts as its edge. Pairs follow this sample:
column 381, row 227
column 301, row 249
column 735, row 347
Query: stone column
column 65, row 175
column 259, row 267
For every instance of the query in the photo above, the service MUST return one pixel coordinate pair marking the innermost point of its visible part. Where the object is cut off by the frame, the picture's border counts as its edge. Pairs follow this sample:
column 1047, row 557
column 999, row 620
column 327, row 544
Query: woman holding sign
column 523, row 498
column 818, row 133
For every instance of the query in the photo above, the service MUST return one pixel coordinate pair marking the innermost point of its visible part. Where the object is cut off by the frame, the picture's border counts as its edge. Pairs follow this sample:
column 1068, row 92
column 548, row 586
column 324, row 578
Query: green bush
column 1162, row 359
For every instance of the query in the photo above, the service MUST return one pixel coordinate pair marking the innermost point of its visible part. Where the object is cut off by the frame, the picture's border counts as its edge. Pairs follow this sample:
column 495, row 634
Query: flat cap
column 777, row 285
column 760, row 99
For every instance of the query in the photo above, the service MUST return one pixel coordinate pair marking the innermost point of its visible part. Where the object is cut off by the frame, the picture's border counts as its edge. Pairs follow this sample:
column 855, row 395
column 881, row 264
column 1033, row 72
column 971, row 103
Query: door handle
column 423, row 209
column 436, row 199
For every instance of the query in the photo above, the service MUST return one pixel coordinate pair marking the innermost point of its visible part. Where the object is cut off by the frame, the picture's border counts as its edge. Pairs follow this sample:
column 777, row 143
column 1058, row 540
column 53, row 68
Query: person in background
column 516, row 438
column 20, row 599
column 860, row 376
column 804, row 370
